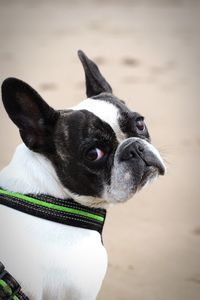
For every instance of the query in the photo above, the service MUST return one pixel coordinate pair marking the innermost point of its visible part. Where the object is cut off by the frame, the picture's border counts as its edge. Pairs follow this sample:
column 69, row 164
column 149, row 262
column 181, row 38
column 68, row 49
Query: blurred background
column 149, row 51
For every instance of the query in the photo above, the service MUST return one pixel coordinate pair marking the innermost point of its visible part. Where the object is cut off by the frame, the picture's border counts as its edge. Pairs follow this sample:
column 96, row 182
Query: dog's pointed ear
column 32, row 115
column 95, row 82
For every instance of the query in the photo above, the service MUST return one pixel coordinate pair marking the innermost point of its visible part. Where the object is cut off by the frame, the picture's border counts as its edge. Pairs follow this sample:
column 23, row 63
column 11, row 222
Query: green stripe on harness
column 7, row 289
column 53, row 206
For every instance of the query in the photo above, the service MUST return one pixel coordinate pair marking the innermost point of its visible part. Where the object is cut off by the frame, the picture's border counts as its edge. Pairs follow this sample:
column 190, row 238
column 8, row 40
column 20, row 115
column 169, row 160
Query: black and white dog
column 93, row 154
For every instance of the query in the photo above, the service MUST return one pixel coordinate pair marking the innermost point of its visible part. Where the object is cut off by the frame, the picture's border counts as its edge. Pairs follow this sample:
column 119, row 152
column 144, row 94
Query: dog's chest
column 52, row 261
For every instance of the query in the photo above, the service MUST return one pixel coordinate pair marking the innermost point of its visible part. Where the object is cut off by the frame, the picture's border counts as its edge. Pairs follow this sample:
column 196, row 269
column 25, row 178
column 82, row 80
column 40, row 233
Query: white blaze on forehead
column 106, row 111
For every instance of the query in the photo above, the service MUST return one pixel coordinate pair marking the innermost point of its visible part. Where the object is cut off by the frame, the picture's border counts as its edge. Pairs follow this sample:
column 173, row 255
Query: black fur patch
column 76, row 132
column 95, row 82
column 32, row 115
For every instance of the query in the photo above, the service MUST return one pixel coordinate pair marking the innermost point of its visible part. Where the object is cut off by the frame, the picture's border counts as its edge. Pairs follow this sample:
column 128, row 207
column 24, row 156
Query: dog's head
column 100, row 148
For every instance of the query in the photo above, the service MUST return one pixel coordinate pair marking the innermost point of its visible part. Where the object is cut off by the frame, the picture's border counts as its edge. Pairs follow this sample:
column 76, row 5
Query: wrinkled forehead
column 110, row 110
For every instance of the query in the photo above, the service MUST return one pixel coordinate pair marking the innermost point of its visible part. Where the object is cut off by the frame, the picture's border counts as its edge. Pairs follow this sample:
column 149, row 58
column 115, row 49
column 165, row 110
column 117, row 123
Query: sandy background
column 149, row 51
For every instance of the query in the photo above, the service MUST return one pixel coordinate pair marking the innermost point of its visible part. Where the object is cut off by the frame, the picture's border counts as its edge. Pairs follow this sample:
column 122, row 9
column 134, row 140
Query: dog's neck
column 32, row 173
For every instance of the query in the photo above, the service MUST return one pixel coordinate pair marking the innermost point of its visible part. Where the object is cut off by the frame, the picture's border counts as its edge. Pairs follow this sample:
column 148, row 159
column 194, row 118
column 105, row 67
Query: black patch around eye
column 132, row 124
column 75, row 133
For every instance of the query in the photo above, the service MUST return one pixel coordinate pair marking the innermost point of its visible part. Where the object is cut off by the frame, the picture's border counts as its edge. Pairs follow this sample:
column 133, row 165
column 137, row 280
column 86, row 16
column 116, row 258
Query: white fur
column 51, row 261
column 105, row 111
column 30, row 172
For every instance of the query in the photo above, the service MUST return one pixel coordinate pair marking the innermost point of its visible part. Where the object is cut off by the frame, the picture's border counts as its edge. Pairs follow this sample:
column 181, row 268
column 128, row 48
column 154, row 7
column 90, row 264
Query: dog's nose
column 134, row 150
column 131, row 150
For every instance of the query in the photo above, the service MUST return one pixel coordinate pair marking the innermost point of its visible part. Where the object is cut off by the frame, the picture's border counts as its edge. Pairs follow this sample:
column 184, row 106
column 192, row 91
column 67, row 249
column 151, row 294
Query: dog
column 54, row 193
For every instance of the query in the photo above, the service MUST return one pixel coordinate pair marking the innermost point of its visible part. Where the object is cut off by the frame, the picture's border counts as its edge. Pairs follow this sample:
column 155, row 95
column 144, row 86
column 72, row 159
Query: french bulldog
column 96, row 153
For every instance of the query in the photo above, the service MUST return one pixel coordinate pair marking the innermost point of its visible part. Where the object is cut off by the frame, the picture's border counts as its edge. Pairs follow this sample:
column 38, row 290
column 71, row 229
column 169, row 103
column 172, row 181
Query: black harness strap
column 9, row 287
column 64, row 211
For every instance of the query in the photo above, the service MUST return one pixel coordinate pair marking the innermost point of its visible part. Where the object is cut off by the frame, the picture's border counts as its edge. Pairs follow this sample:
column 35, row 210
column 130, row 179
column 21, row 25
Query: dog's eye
column 140, row 124
column 94, row 154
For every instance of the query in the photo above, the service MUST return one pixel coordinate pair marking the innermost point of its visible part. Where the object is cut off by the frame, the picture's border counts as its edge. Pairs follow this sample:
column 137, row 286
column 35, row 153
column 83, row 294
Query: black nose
column 131, row 150
column 134, row 150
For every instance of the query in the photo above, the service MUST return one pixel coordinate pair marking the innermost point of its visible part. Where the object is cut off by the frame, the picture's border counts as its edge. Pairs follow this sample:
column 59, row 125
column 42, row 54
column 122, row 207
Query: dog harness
column 64, row 211
column 9, row 287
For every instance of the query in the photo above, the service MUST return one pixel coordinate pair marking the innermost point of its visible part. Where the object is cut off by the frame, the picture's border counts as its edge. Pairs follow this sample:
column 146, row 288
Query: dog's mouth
column 150, row 173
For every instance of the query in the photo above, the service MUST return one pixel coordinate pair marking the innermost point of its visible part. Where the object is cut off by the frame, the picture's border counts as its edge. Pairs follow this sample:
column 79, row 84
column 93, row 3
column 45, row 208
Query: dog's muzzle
column 138, row 149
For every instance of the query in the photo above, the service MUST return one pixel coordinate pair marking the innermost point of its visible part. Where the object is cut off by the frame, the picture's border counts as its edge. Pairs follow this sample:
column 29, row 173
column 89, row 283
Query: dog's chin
column 122, row 195
column 149, row 175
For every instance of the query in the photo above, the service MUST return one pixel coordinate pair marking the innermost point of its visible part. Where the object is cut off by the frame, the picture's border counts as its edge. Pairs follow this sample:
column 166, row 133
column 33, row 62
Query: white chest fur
column 50, row 260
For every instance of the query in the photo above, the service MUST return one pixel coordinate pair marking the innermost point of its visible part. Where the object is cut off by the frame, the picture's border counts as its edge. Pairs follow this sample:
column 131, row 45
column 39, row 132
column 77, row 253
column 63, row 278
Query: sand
column 149, row 51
